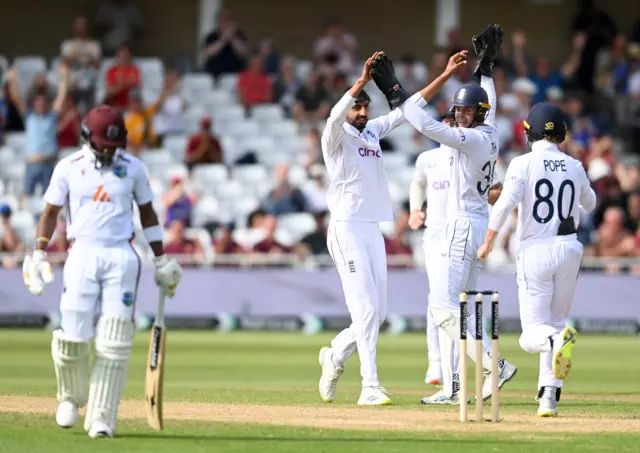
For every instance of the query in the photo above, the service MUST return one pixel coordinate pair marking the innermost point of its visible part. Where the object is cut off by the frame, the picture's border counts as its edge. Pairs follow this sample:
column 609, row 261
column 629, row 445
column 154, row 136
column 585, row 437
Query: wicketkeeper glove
column 487, row 45
column 384, row 76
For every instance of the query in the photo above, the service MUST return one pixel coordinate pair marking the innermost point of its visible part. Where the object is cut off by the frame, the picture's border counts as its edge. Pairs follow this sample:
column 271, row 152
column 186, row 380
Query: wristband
column 42, row 239
column 153, row 233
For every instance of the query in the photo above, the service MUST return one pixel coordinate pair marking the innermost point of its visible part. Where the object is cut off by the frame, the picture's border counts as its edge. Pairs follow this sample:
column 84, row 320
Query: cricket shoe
column 548, row 397
column 330, row 375
column 374, row 396
column 434, row 373
column 67, row 414
column 442, row 398
column 100, row 429
column 562, row 355
column 507, row 372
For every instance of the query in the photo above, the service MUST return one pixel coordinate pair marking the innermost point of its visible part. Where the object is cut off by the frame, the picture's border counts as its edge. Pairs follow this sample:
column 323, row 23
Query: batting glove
column 37, row 272
column 168, row 274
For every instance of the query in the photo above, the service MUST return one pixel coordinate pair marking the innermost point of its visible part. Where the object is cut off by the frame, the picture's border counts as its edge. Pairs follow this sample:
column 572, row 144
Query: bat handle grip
column 159, row 321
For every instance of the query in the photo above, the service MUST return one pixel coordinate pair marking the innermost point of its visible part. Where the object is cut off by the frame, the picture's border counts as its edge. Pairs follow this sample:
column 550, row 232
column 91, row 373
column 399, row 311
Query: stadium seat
column 177, row 146
column 204, row 211
column 284, row 237
column 250, row 174
column 175, row 170
column 398, row 193
column 209, row 176
column 244, row 205
column 7, row 157
column 10, row 200
column 14, row 172
column 23, row 220
column 157, row 186
column 388, row 228
column 196, row 82
column 298, row 224
column 230, row 113
column 273, row 157
column 228, row 82
column 29, row 66
column 2, row 188
column 260, row 145
column 230, row 190
column 420, row 71
column 303, row 68
column 16, row 140
column 242, row 129
column 35, row 205
column 267, row 113
column 297, row 176
column 152, row 71
column 157, row 157
column 204, row 239
column 394, row 161
column 282, row 129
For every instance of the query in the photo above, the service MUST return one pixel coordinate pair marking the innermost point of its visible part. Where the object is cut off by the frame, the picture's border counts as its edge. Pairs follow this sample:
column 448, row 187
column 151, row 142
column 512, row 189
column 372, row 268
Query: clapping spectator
column 226, row 48
column 254, row 86
column 284, row 198
column 179, row 202
column 188, row 251
column 69, row 124
column 270, row 58
column 40, row 87
column 286, row 85
column 121, row 79
column 41, row 125
column 224, row 243
column 315, row 243
column 612, row 67
column 119, row 22
column 336, row 48
column 203, row 147
column 82, row 55
column 10, row 242
column 269, row 245
column 169, row 109
column 312, row 101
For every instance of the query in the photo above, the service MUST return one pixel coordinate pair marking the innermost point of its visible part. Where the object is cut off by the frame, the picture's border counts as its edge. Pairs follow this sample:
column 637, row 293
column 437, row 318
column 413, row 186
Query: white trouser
column 430, row 241
column 98, row 279
column 547, row 270
column 357, row 248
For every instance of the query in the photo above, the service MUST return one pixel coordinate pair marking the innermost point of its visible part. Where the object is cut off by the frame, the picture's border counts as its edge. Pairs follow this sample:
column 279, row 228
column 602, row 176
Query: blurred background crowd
column 232, row 142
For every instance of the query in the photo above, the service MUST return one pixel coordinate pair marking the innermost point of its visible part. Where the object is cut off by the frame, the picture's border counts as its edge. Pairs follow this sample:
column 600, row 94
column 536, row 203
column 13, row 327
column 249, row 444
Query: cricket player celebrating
column 358, row 199
column 545, row 184
column 474, row 149
column 431, row 180
column 98, row 185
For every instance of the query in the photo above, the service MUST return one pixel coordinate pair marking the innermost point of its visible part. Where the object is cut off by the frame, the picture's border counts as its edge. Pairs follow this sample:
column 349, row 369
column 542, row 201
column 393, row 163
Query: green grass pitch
column 256, row 392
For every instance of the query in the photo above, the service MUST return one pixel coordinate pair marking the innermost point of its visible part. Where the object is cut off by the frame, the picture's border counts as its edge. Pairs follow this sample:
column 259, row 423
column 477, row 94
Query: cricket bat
column 154, row 379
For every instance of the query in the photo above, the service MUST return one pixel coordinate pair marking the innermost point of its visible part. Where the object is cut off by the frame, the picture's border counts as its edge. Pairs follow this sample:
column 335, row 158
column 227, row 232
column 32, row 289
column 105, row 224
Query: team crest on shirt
column 127, row 298
column 120, row 171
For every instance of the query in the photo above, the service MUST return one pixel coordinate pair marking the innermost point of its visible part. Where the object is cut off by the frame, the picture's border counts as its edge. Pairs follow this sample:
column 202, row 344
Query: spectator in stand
column 3, row 120
column 612, row 67
column 10, row 241
column 286, row 85
column 13, row 119
column 179, row 202
column 254, row 86
column 397, row 244
column 315, row 193
column 189, row 251
column 613, row 240
column 336, row 48
column 138, row 120
column 82, row 55
column 312, row 101
column 59, row 245
column 454, row 41
column 544, row 78
column 119, row 22
column 40, row 87
column 284, row 198
column 438, row 63
column 224, row 243
column 203, row 147
column 520, row 60
column 270, row 58
column 69, row 124
column 121, row 78
column 340, row 86
column 169, row 118
column 313, row 156
column 464, row 75
column 41, row 125
column 409, row 81
column 269, row 245
column 633, row 211
column 226, row 48
column 315, row 243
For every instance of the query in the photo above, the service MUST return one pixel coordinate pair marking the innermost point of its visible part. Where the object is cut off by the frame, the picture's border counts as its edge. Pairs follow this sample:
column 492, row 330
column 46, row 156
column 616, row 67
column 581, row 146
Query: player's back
column 554, row 186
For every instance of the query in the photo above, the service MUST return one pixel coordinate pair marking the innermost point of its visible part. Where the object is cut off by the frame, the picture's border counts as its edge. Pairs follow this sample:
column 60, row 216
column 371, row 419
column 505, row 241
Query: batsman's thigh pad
column 114, row 340
column 71, row 363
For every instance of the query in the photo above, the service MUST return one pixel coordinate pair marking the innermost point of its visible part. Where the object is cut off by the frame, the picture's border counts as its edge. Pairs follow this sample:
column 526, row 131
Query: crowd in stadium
column 233, row 149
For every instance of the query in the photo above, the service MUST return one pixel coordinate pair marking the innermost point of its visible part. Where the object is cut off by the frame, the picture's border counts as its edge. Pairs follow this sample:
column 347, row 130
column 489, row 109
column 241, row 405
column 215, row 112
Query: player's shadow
column 206, row 437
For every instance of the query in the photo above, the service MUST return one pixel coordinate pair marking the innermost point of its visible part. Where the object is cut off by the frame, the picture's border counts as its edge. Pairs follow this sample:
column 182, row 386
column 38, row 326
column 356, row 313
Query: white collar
column 544, row 145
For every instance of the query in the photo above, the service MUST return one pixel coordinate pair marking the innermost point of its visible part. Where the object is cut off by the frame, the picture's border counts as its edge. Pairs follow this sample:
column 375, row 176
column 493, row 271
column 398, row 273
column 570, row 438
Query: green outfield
column 256, row 392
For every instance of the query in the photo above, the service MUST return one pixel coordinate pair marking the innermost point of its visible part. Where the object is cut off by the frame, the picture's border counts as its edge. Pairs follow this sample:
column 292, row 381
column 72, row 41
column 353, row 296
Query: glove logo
column 127, row 298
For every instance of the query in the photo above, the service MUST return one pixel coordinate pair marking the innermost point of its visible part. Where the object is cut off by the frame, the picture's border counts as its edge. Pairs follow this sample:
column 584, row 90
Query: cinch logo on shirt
column 101, row 195
column 365, row 152
column 439, row 185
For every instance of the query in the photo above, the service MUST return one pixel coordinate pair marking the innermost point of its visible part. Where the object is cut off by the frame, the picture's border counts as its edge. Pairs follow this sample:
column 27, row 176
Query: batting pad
column 71, row 362
column 114, row 340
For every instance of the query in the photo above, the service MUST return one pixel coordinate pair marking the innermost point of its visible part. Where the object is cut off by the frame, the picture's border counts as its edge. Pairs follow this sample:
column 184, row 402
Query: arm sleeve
column 385, row 124
column 142, row 188
column 333, row 131
column 509, row 198
column 58, row 189
column 454, row 137
column 487, row 84
column 587, row 195
column 417, row 194
column 418, row 172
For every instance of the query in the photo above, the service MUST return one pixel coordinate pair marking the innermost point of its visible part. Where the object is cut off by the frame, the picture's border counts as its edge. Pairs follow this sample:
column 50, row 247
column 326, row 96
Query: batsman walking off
column 474, row 148
column 98, row 185
column 358, row 199
column 545, row 185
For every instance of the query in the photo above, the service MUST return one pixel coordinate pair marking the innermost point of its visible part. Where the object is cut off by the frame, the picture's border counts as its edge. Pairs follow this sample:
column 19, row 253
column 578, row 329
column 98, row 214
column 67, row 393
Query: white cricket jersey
column 474, row 152
column 547, row 186
column 433, row 168
column 358, row 188
column 99, row 202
